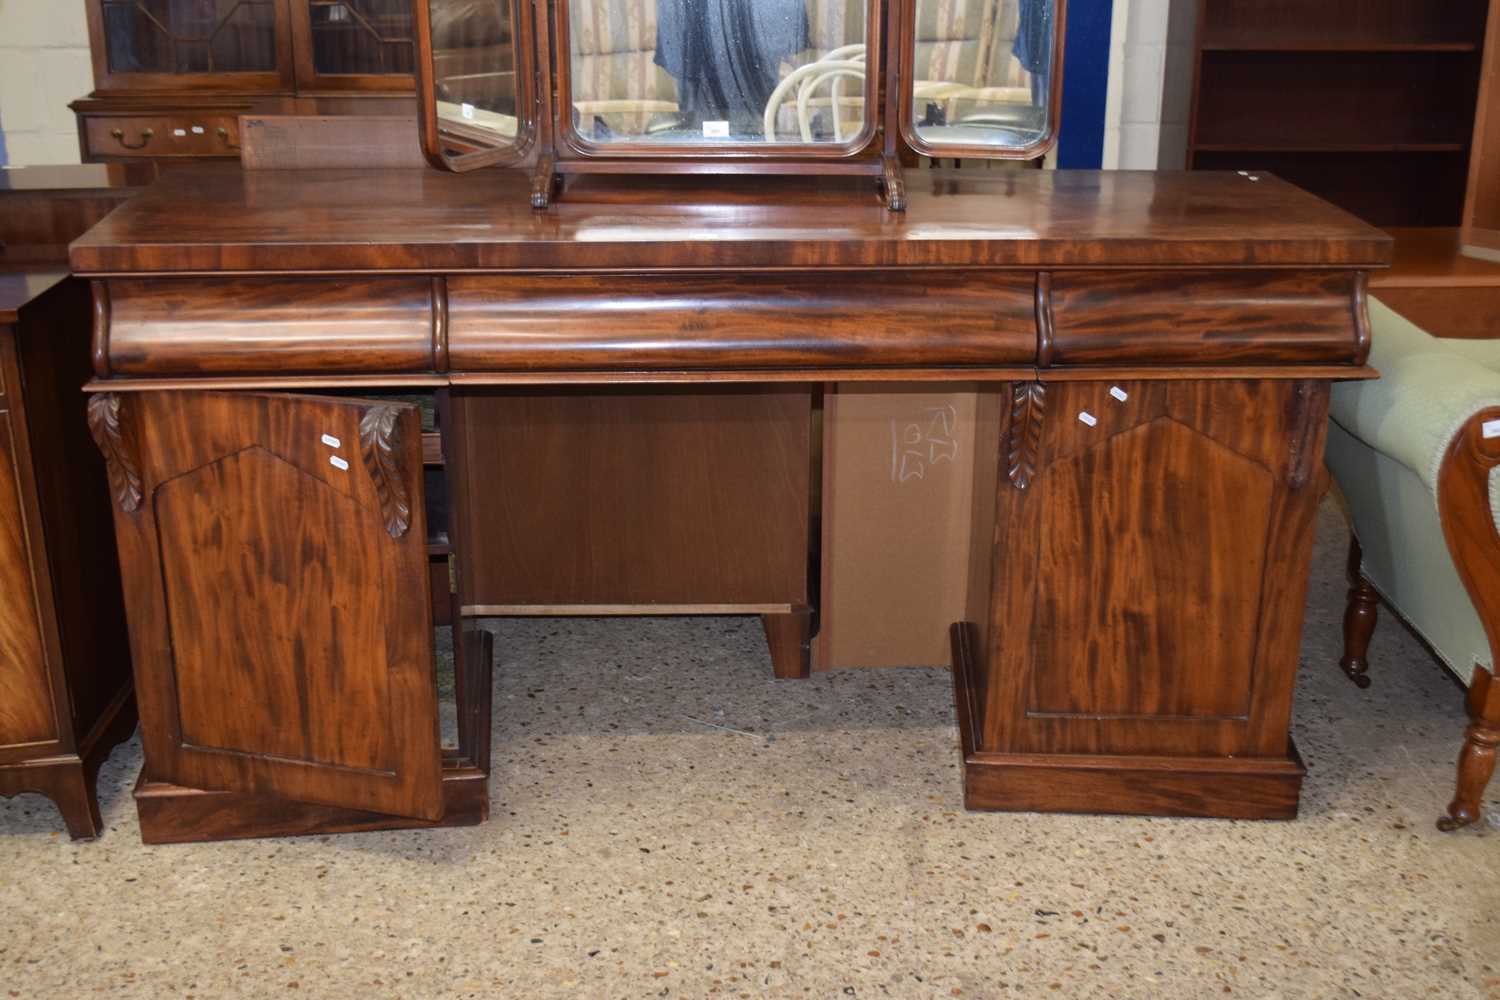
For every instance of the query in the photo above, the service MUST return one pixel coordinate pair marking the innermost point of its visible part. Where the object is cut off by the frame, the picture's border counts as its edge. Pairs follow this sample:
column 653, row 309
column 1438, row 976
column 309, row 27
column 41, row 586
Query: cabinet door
column 223, row 46
column 1150, row 566
column 277, row 586
column 30, row 723
column 354, row 44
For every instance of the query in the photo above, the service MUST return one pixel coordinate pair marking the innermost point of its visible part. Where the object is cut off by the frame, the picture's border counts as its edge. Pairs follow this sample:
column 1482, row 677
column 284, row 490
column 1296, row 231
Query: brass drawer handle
column 119, row 135
column 223, row 134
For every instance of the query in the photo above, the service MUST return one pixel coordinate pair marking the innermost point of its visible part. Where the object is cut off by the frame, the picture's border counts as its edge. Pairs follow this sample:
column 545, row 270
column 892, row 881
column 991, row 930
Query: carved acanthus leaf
column 120, row 462
column 379, row 443
column 1028, row 411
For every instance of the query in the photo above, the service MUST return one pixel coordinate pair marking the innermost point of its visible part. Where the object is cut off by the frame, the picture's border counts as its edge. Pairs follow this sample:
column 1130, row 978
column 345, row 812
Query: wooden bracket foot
column 790, row 638
column 893, row 183
column 544, row 182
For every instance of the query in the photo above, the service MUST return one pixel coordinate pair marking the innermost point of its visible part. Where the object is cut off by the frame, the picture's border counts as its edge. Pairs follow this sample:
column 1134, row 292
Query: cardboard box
column 899, row 466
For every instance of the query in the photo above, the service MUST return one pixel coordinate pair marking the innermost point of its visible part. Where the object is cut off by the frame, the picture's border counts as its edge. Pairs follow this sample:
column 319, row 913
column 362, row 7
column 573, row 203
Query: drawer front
column 751, row 321
column 244, row 326
column 181, row 134
column 1207, row 318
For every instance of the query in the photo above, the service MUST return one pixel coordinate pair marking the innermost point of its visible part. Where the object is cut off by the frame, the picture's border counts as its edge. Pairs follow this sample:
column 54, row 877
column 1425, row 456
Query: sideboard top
column 221, row 220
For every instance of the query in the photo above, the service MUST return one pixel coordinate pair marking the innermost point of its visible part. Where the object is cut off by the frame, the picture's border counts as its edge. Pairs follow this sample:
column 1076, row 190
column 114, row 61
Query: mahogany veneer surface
column 1152, row 353
column 65, row 690
column 281, row 221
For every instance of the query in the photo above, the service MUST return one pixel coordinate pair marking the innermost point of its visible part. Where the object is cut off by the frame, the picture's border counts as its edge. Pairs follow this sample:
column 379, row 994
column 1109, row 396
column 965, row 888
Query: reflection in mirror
column 474, row 73
column 983, row 72
column 715, row 72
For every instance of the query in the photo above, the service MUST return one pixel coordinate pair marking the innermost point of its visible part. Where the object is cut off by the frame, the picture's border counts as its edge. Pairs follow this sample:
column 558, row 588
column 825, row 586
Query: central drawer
column 746, row 321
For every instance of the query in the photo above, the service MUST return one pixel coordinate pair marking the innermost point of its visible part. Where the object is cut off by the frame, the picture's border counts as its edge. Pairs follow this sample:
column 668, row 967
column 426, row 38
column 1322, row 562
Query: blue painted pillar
column 1080, row 144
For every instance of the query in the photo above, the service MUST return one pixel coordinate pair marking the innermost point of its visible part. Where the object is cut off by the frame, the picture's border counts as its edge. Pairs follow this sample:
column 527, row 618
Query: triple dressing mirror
column 741, row 86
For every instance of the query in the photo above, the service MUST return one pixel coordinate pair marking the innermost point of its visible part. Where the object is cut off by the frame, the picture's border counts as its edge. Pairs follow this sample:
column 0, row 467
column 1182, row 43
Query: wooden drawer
column 1207, row 317
column 230, row 326
column 558, row 322
column 180, row 134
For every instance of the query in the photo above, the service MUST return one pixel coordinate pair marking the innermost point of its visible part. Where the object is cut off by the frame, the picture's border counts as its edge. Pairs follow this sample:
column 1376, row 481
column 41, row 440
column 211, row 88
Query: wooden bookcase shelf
column 1280, row 43
column 1371, row 104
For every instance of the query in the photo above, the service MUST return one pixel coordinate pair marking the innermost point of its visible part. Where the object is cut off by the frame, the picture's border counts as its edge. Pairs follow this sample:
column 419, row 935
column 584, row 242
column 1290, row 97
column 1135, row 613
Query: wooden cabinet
column 627, row 424
column 172, row 78
column 64, row 666
column 279, row 601
column 640, row 501
column 1152, row 543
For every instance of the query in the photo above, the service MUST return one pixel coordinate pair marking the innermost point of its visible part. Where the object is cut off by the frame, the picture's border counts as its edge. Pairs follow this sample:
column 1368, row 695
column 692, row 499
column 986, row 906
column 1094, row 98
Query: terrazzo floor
column 814, row 846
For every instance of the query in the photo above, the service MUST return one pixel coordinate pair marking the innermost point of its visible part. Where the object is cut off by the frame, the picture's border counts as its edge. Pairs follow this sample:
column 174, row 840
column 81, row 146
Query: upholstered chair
column 1416, row 456
column 614, row 75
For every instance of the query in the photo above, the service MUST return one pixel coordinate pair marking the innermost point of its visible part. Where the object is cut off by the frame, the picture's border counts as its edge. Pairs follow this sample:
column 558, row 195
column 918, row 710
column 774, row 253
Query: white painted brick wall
column 44, row 64
column 1150, row 87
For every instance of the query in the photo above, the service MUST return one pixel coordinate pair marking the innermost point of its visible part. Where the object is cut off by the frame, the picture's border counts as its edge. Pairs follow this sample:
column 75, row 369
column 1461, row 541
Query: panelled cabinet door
column 1151, row 566
column 277, row 587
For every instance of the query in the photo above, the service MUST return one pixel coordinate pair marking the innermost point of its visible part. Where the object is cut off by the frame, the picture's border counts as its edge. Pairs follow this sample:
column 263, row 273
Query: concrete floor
column 818, row 850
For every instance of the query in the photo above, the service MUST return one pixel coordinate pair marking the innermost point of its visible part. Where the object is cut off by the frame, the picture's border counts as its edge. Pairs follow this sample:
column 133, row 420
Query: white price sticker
column 1119, row 393
column 467, row 110
column 332, row 441
column 338, row 463
column 1088, row 418
column 197, row 129
column 1491, row 429
column 716, row 130
column 179, row 132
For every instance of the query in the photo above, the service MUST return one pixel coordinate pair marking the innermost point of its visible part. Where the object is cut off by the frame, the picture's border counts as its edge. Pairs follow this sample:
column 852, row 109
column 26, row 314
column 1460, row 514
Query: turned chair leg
column 1359, row 619
column 1476, row 761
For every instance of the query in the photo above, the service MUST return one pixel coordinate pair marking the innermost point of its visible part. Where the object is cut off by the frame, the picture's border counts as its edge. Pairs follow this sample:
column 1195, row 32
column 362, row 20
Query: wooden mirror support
column 499, row 85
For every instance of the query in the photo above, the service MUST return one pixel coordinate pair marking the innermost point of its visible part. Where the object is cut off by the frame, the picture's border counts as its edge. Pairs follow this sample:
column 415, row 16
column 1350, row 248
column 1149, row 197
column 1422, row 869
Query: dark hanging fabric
column 1033, row 48
column 726, row 55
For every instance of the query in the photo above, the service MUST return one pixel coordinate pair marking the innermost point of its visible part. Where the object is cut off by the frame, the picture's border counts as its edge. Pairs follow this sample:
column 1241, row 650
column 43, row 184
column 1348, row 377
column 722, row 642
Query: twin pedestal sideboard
column 628, row 390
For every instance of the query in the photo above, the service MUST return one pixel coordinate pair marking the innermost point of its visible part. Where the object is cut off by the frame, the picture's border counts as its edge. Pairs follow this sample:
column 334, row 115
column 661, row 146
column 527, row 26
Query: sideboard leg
column 790, row 638
column 1359, row 619
column 1476, row 761
column 73, row 792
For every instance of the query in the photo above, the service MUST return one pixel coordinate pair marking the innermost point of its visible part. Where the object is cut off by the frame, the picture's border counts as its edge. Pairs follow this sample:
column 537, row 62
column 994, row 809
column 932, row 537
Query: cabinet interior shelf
column 1335, row 45
column 1330, row 147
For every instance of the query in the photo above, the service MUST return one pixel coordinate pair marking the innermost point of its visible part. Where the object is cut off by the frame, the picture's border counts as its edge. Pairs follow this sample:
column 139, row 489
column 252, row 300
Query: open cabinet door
column 276, row 581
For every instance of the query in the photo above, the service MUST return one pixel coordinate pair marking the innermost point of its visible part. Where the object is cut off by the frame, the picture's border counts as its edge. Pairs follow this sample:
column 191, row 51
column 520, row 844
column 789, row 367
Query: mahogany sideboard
column 64, row 669
column 1153, row 353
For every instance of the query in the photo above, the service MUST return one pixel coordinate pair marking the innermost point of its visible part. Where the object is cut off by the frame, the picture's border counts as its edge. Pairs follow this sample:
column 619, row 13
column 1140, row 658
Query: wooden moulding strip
column 1145, row 785
column 173, row 814
column 101, row 328
column 611, row 610
column 872, row 375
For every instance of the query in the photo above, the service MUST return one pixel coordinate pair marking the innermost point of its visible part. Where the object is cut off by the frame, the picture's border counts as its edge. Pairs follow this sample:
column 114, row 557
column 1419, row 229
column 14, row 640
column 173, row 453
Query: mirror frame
column 548, row 146
column 635, row 149
column 430, row 124
column 907, row 48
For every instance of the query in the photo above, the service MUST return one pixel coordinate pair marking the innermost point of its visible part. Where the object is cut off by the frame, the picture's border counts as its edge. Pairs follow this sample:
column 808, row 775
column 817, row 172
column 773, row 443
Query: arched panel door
column 1150, row 568
column 278, row 594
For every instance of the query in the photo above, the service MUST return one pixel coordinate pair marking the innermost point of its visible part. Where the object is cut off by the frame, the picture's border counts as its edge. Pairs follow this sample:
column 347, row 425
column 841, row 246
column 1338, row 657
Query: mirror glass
column 474, row 74
column 983, row 73
column 718, row 72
